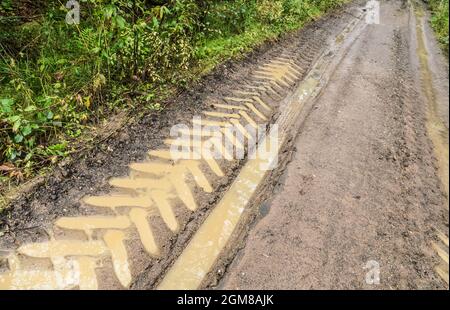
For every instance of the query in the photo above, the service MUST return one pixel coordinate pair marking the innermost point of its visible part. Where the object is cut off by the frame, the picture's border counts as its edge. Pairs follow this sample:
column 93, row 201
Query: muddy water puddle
column 204, row 249
column 437, row 130
column 155, row 187
column 149, row 191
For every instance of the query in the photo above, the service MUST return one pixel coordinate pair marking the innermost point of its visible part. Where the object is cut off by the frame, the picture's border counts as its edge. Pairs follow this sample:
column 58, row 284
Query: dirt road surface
column 362, row 184
column 358, row 198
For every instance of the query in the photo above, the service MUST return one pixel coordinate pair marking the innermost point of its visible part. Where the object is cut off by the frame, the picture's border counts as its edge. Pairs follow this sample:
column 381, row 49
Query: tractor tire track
column 102, row 223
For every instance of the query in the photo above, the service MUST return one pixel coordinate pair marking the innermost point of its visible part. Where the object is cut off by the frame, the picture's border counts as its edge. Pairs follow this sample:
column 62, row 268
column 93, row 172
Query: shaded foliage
column 439, row 21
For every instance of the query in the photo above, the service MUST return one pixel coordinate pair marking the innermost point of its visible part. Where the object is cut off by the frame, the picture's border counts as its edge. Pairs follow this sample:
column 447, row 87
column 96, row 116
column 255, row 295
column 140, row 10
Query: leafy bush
column 228, row 17
column 439, row 20
column 270, row 11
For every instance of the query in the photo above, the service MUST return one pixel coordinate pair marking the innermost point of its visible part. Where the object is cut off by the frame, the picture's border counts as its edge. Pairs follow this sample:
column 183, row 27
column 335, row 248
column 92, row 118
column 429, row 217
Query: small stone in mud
column 212, row 200
column 224, row 181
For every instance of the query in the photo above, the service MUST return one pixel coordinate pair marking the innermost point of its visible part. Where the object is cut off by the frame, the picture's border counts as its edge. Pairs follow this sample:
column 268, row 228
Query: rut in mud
column 120, row 216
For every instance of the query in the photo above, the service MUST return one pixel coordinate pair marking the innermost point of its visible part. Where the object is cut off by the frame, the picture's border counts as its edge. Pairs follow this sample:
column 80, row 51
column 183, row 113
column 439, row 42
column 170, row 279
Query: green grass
column 266, row 22
column 217, row 50
column 439, row 21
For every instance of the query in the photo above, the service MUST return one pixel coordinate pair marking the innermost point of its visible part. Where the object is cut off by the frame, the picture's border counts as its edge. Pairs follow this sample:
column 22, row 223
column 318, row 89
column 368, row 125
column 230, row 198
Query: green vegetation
column 57, row 79
column 439, row 21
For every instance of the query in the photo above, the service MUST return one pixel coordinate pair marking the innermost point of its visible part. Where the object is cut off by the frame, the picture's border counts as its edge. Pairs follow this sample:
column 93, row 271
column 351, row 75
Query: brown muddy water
column 198, row 258
column 437, row 130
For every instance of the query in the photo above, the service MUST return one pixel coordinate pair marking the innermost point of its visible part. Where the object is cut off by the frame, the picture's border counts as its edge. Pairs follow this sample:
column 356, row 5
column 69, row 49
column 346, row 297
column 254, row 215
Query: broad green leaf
column 16, row 125
column 18, row 138
column 26, row 130
column 6, row 105
column 30, row 108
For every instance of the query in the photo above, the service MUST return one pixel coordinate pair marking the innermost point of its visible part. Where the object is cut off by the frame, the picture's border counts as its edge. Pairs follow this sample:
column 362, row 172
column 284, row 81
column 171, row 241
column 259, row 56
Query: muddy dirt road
column 357, row 189
column 362, row 185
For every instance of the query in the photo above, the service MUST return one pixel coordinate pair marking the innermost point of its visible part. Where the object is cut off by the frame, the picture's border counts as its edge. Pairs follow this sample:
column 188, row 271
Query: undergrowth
column 439, row 21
